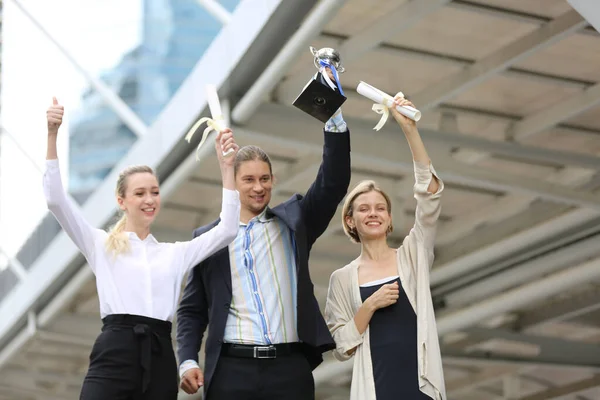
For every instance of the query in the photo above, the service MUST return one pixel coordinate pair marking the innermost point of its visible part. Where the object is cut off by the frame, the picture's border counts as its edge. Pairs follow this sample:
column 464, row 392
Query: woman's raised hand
column 405, row 122
column 223, row 143
column 54, row 115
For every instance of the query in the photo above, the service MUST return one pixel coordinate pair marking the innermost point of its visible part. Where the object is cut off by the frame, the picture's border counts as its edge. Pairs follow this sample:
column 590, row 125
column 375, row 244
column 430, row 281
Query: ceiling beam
column 85, row 327
column 569, row 389
column 498, row 210
column 296, row 168
column 36, row 394
column 25, row 378
column 402, row 18
column 523, row 47
column 399, row 20
column 264, row 84
column 549, row 350
column 518, row 242
column 396, row 50
column 459, row 173
column 509, row 14
column 306, row 165
column 462, row 386
column 514, row 268
column 281, row 124
column 573, row 307
column 333, row 368
column 483, row 361
column 515, row 151
column 563, row 110
column 499, row 116
column 517, row 298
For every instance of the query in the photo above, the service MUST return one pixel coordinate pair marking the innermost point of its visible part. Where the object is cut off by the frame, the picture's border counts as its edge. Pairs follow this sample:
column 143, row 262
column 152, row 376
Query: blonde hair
column 117, row 242
column 348, row 211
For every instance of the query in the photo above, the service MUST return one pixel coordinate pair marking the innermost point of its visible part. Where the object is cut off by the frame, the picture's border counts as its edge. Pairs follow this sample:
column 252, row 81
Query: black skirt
column 132, row 359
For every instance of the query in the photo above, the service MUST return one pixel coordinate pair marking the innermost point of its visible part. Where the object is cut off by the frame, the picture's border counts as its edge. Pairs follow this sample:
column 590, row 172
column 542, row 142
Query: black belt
column 148, row 331
column 265, row 351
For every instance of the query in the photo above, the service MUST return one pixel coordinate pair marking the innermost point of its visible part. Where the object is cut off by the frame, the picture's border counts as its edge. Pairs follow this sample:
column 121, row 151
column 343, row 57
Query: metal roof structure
column 510, row 96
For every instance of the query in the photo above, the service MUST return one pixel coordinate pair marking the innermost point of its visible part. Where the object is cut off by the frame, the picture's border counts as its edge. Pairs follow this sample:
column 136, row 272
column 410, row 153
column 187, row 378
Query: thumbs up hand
column 54, row 115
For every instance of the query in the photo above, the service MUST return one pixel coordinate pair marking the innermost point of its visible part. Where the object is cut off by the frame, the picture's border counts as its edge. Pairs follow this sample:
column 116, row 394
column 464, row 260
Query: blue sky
column 96, row 33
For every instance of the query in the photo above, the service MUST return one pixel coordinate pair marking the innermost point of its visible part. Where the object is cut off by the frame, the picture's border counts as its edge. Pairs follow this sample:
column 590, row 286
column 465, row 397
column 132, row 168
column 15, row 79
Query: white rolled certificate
column 214, row 105
column 216, row 123
column 380, row 97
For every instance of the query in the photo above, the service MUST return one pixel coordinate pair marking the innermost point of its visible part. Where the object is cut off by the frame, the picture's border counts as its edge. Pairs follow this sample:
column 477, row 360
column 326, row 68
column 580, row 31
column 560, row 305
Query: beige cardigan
column 414, row 261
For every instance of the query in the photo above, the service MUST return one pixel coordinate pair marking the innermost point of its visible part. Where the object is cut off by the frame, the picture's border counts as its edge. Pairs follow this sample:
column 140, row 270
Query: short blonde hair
column 348, row 211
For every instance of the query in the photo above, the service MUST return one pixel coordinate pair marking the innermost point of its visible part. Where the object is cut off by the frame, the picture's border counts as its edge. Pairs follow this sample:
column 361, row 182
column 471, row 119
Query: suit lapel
column 221, row 259
column 281, row 213
column 224, row 265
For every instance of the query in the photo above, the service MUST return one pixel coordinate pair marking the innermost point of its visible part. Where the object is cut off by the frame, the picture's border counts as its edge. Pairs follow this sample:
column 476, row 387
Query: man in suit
column 266, row 332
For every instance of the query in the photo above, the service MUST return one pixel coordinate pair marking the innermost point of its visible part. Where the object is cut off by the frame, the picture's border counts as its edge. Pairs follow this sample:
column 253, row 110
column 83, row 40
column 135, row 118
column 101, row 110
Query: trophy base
column 319, row 100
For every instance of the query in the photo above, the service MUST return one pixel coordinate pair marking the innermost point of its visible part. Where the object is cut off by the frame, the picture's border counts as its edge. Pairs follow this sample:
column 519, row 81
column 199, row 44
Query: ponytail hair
column 117, row 241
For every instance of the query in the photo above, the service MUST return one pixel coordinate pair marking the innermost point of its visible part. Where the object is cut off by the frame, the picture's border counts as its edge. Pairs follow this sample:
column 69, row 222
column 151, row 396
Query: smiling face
column 140, row 198
column 370, row 217
column 254, row 182
column 367, row 213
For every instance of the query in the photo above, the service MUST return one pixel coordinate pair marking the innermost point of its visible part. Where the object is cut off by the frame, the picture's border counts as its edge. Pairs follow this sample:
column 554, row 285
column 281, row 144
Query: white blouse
column 146, row 280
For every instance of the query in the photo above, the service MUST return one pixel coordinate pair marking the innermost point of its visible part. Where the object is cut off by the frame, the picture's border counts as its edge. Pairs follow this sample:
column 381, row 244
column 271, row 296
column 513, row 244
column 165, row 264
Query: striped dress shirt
column 263, row 279
column 263, row 282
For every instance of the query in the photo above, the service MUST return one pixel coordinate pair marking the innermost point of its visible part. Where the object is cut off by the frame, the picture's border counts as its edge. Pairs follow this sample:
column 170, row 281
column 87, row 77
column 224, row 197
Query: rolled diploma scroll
column 216, row 123
column 385, row 99
column 214, row 105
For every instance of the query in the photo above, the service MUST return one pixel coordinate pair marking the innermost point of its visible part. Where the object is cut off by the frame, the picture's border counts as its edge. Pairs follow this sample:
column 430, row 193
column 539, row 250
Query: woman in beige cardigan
column 379, row 307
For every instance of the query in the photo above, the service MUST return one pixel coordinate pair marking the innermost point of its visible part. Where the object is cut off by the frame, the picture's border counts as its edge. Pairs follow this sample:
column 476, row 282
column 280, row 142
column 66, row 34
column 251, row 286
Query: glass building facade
column 174, row 35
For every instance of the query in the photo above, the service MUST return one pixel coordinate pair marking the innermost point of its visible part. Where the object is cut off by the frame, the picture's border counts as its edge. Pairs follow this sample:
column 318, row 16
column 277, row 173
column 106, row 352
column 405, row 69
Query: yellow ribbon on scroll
column 216, row 123
column 384, row 112
column 382, row 103
column 212, row 125
column 383, row 109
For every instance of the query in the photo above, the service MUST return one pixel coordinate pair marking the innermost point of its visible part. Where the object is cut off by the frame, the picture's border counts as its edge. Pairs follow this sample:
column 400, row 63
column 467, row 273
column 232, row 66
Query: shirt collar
column 265, row 216
column 134, row 236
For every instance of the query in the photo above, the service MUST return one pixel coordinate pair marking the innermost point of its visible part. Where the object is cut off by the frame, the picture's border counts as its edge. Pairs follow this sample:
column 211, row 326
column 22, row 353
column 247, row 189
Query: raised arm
column 65, row 211
column 332, row 181
column 201, row 247
column 427, row 191
column 417, row 148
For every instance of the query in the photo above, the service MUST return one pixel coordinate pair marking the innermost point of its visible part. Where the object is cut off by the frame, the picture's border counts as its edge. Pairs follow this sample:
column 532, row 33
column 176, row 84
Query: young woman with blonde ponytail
column 138, row 278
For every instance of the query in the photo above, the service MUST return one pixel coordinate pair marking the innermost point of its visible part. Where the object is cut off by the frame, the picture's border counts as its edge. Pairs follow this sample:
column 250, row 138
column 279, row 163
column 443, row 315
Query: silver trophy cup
column 322, row 96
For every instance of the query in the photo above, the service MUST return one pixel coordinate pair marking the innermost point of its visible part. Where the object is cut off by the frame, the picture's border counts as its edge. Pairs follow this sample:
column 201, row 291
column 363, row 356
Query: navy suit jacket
column 207, row 295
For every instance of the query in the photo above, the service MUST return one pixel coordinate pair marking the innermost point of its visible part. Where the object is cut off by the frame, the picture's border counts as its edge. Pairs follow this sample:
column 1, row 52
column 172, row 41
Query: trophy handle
column 313, row 51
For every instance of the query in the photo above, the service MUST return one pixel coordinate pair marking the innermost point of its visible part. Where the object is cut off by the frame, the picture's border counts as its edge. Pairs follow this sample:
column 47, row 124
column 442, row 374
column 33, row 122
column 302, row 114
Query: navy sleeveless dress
column 393, row 341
